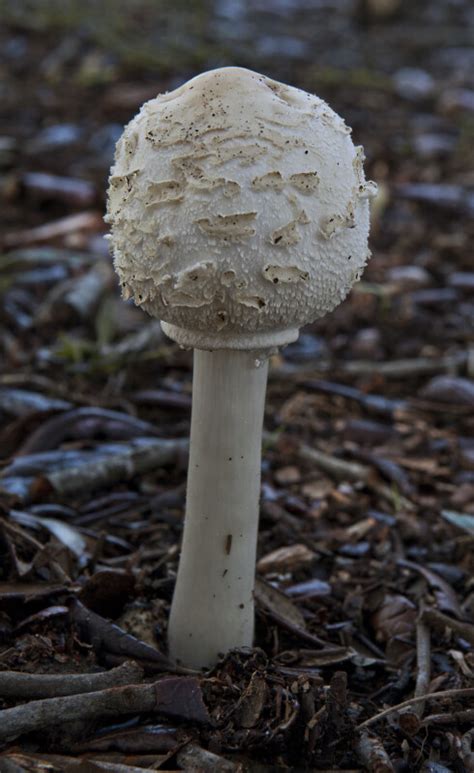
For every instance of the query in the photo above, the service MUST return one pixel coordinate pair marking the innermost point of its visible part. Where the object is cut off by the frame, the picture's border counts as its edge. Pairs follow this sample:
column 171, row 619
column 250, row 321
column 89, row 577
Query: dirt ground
column 365, row 596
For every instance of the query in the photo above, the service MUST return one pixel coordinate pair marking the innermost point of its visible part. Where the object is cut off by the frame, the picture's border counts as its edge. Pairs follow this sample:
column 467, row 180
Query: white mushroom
column 238, row 210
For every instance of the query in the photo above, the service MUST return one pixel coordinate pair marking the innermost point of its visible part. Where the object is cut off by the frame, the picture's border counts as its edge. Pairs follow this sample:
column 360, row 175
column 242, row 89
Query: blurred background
column 401, row 74
column 73, row 72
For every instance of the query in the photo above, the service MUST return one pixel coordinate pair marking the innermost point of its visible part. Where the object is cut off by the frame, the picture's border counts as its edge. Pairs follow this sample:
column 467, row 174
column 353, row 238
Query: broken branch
column 21, row 685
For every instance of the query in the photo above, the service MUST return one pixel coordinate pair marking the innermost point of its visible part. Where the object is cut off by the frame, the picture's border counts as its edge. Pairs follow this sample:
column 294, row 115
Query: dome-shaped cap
column 238, row 210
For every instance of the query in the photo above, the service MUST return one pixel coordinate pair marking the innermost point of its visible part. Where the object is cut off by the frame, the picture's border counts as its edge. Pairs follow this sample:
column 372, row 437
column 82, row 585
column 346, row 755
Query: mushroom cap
column 238, row 209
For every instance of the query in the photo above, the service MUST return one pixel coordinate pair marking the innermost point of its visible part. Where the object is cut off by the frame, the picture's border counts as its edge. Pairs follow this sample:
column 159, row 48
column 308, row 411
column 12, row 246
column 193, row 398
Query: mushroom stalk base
column 213, row 608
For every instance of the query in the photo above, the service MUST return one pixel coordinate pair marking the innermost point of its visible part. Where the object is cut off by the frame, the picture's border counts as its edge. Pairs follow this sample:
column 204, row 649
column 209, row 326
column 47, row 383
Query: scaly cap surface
column 238, row 210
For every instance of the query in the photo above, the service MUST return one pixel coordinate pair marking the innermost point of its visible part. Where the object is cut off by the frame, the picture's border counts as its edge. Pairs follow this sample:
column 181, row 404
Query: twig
column 466, row 630
column 136, row 458
column 175, row 696
column 148, row 338
column 19, row 762
column 423, row 664
column 83, row 221
column 82, row 298
column 410, row 717
column 407, row 367
column 20, row 685
column 373, row 755
column 338, row 468
column 452, row 718
column 49, row 386
column 378, row 404
column 341, row 469
column 192, row 757
column 457, row 693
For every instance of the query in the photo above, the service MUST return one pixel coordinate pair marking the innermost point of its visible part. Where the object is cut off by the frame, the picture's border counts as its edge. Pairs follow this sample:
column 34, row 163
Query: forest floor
column 365, row 596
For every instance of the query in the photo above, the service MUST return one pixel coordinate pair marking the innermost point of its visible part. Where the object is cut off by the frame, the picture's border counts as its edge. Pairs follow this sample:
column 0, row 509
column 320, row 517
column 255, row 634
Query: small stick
column 175, row 696
column 465, row 692
column 407, row 367
column 338, row 468
column 192, row 757
column 410, row 718
column 21, row 685
column 341, row 469
column 83, row 297
column 134, row 460
column 373, row 755
column 49, row 386
column 466, row 630
column 449, row 719
column 83, row 221
column 423, row 662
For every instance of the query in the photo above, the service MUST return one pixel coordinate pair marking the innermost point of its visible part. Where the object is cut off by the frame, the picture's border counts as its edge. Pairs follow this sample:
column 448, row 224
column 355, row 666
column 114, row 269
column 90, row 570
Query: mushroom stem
column 213, row 608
